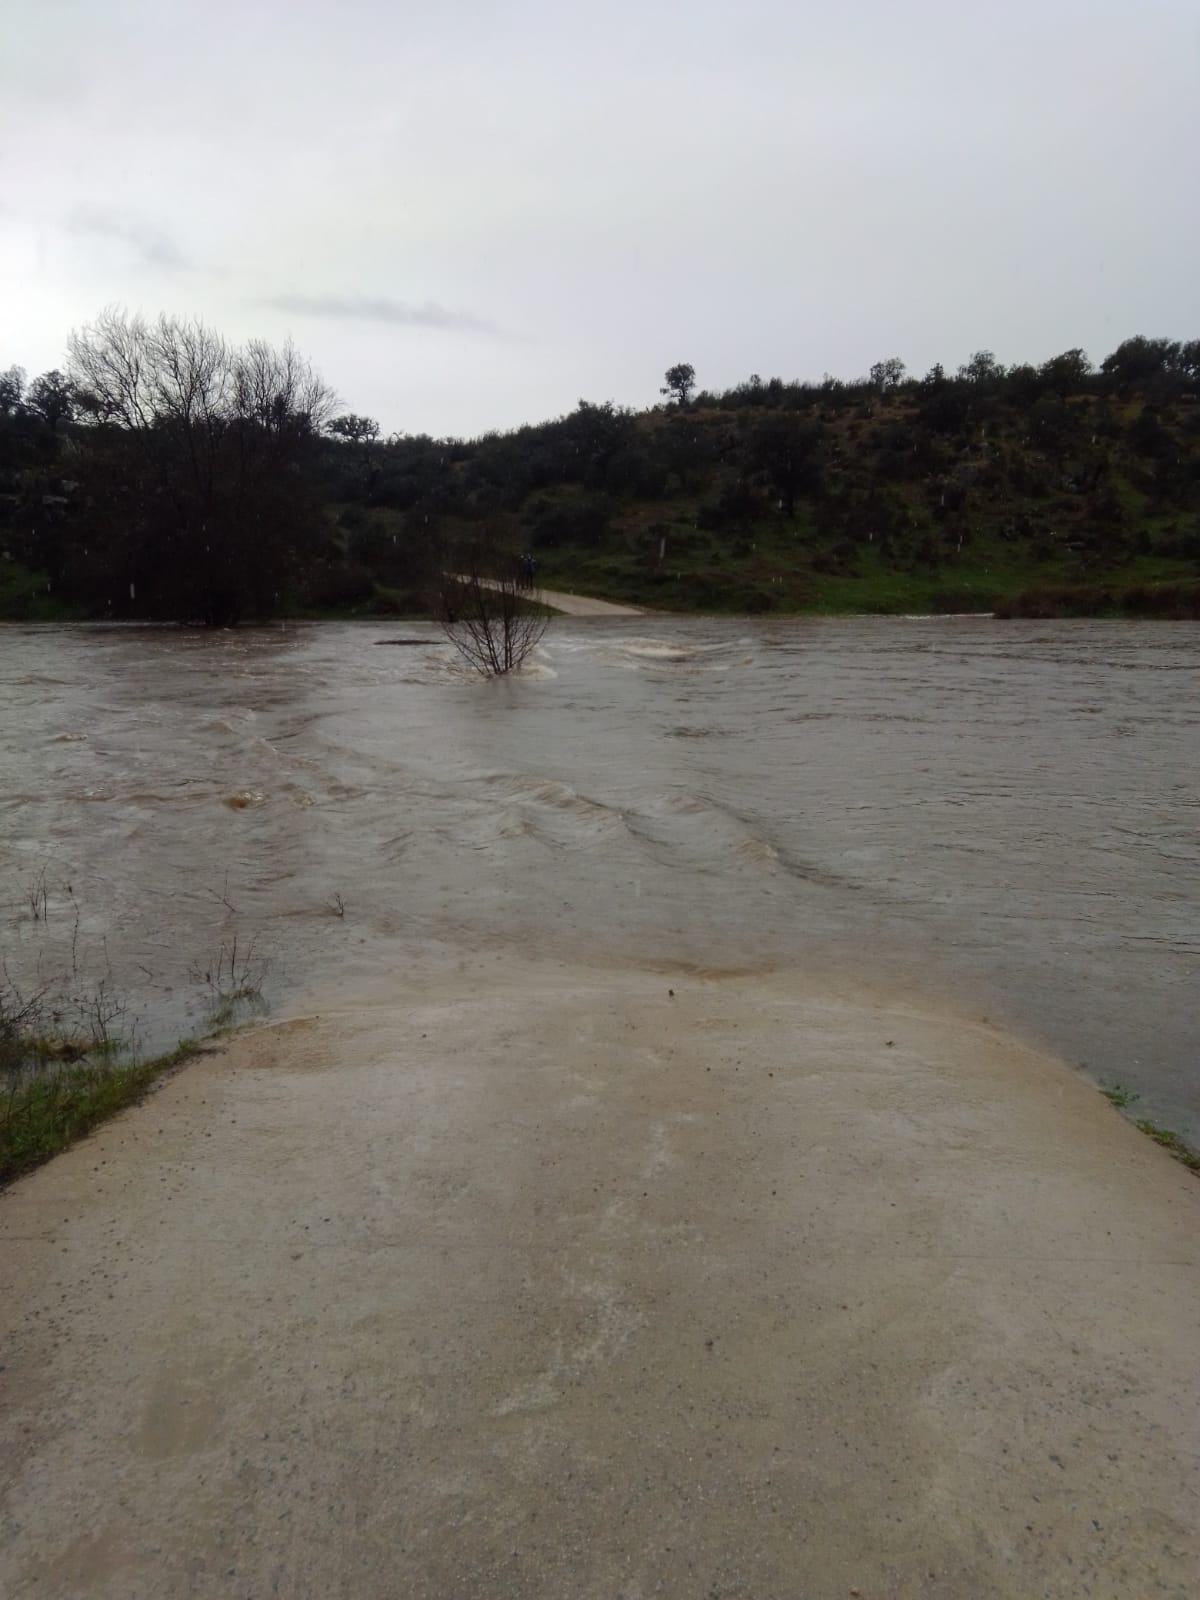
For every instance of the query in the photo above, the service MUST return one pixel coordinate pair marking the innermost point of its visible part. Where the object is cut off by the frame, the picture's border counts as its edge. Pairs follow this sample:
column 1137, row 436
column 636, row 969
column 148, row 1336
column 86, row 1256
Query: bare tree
column 278, row 390
column 488, row 614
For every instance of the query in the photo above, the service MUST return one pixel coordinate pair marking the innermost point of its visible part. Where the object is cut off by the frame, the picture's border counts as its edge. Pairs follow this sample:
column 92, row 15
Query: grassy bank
column 69, row 1057
column 1177, row 601
column 775, row 568
column 48, row 1105
column 783, row 568
column 1170, row 1141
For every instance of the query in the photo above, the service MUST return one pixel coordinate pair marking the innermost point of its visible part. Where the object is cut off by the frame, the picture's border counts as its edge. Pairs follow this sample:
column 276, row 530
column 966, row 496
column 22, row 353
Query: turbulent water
column 1003, row 813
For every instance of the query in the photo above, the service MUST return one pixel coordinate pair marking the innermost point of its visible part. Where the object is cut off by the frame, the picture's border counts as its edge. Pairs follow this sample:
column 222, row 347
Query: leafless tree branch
column 487, row 612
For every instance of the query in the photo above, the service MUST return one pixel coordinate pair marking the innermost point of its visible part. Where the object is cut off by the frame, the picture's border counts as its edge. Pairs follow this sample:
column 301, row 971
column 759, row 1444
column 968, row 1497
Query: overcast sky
column 472, row 213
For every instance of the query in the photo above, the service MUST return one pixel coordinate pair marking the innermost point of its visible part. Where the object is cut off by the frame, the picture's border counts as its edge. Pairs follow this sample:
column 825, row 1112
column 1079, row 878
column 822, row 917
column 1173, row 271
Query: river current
column 1003, row 814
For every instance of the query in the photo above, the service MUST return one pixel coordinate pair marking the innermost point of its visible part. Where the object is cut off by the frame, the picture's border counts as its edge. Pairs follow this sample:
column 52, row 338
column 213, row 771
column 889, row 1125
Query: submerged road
column 546, row 1282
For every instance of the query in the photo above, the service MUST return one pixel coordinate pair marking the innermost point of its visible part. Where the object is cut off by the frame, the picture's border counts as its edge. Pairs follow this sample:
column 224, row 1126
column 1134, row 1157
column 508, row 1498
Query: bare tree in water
column 488, row 613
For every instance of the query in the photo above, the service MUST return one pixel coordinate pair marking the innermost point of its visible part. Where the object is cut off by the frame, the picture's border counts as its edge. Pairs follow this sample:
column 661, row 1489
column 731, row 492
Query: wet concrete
column 549, row 1282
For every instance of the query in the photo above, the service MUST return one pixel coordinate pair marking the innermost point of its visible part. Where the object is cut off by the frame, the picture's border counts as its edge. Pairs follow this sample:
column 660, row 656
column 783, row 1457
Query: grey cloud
column 378, row 308
column 155, row 247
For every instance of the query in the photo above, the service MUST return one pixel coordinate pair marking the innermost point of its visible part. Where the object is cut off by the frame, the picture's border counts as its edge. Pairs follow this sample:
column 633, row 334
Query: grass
column 234, row 981
column 231, row 1004
column 1174, row 600
column 67, row 1060
column 25, row 596
column 1173, row 1144
column 43, row 1111
column 1116, row 1094
column 781, row 567
column 767, row 567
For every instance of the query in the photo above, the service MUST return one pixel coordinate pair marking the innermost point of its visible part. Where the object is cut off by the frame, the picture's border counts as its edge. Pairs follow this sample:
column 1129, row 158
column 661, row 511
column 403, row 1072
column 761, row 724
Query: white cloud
column 769, row 186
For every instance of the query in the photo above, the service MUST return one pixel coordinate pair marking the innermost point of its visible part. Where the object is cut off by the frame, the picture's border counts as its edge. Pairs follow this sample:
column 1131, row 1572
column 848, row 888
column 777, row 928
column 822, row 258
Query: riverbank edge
column 1101, row 598
column 1031, row 611
column 44, row 1113
column 1173, row 1143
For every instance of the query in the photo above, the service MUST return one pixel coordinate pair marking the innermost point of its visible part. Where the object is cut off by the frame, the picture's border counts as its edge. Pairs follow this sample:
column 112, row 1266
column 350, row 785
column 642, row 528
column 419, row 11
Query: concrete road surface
column 547, row 1283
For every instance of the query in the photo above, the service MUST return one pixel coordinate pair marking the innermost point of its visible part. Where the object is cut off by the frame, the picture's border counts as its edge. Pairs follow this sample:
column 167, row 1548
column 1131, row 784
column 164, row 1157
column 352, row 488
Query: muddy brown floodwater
column 1004, row 814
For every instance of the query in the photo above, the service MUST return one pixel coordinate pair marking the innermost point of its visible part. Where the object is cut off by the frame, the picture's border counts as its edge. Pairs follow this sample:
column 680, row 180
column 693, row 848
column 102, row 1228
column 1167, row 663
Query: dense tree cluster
column 165, row 473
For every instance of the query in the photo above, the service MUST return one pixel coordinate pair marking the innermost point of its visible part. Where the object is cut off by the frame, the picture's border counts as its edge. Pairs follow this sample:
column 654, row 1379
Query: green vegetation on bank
column 1170, row 1141
column 168, row 475
column 50, row 1105
column 68, row 1058
column 1172, row 1144
column 27, row 596
column 63, row 1067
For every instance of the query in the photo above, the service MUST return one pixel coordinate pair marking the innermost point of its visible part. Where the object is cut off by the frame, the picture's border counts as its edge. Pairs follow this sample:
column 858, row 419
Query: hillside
column 1056, row 489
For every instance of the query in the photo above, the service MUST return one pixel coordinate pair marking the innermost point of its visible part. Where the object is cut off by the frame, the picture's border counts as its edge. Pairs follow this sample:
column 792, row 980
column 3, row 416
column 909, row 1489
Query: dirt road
column 577, row 605
column 582, row 605
column 550, row 1283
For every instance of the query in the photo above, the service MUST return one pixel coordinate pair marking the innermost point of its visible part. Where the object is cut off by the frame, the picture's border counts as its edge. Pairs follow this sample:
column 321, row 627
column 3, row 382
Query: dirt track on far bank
column 578, row 605
column 582, row 605
column 551, row 1283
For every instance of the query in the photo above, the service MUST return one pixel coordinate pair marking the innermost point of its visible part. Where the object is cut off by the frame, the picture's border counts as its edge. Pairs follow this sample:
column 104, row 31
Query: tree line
column 167, row 473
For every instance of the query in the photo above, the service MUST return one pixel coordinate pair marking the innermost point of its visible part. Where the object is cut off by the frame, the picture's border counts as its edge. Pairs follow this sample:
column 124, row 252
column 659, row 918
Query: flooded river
column 1002, row 814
